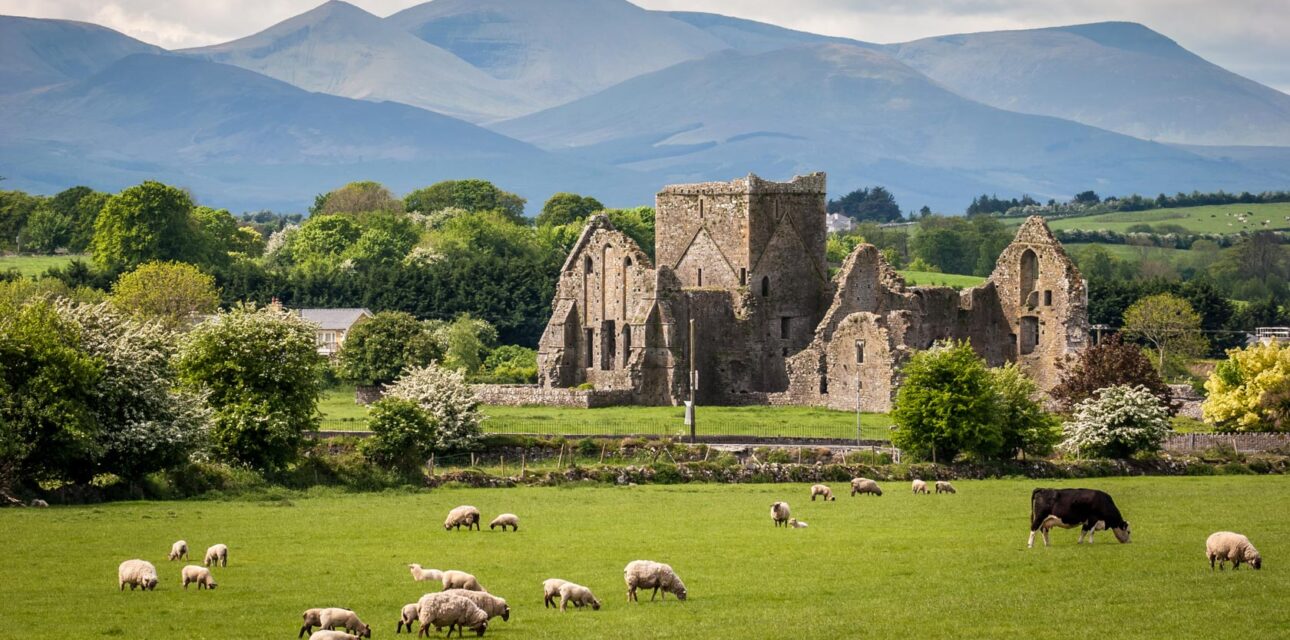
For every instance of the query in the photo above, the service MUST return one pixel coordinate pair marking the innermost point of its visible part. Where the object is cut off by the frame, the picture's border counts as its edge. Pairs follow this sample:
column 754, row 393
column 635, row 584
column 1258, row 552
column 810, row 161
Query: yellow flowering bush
column 1250, row 391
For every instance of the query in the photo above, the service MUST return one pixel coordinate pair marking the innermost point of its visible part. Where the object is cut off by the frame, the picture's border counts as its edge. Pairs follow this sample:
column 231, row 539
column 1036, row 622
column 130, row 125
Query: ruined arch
column 1029, row 276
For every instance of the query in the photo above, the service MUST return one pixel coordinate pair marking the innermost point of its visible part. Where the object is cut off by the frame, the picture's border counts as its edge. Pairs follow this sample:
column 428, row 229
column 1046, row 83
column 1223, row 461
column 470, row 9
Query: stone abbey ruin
column 745, row 260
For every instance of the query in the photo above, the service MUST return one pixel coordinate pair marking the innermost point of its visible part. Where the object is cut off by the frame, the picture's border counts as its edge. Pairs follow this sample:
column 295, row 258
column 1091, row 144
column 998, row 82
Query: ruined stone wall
column 518, row 395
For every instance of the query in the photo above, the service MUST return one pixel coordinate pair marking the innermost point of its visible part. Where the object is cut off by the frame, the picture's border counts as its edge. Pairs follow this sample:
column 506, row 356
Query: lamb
column 491, row 604
column 821, row 490
column 333, row 617
column 865, row 485
column 460, row 580
column 201, row 575
column 579, row 595
column 779, row 513
column 137, row 573
column 1225, row 545
column 505, row 520
column 463, row 515
column 797, row 524
column 919, row 486
column 943, row 486
column 406, row 616
column 177, row 550
column 217, row 553
column 331, row 635
column 311, row 620
column 551, row 589
column 645, row 574
column 420, row 575
column 448, row 610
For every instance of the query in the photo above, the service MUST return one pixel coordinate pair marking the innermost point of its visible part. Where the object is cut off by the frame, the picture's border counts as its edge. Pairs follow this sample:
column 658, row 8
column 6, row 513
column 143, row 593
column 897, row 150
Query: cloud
column 1246, row 36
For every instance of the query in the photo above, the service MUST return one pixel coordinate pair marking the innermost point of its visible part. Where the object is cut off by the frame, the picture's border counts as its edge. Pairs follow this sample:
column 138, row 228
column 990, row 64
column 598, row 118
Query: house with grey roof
column 333, row 326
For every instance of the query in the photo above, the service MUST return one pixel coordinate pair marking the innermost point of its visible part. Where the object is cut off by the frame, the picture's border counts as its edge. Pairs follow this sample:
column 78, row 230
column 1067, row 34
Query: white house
column 333, row 326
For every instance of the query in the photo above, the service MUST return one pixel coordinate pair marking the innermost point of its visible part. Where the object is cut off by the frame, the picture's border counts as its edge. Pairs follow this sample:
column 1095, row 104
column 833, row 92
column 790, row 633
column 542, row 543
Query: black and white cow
column 1089, row 509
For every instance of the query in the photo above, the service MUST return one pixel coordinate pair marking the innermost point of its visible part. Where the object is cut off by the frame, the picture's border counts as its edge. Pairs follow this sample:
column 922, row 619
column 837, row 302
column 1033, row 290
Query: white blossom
column 445, row 396
column 1117, row 422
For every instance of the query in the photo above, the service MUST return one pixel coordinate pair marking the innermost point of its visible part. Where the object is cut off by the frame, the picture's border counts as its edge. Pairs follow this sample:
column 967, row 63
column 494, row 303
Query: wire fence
column 715, row 427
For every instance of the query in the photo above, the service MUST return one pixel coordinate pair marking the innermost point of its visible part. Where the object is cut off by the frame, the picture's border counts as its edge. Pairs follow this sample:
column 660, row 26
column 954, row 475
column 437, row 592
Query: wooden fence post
column 523, row 463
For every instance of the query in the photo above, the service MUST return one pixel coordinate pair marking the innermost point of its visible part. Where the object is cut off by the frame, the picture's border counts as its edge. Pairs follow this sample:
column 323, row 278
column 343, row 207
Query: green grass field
column 35, row 265
column 1207, row 219
column 929, row 278
column 895, row 567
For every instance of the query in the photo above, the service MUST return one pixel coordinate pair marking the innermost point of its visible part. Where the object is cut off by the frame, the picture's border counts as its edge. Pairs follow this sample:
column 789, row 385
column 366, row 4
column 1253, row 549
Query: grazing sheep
column 39, row 503
column 217, row 553
column 865, row 485
column 943, row 486
column 460, row 580
column 406, row 617
column 645, row 574
column 505, row 520
column 333, row 617
column 448, row 610
column 919, row 487
column 492, row 605
column 332, row 635
column 137, row 573
column 1225, row 545
column 419, row 574
column 311, row 620
column 779, row 513
column 579, row 595
column 551, row 589
column 821, row 490
column 201, row 575
column 463, row 515
column 178, row 550
column 797, row 524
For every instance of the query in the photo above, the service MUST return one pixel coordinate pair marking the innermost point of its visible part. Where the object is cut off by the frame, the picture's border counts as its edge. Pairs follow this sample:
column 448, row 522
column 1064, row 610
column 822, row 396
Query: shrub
column 1026, row 426
column 1110, row 363
column 946, row 405
column 1250, row 391
column 1117, row 423
column 403, row 435
column 447, row 400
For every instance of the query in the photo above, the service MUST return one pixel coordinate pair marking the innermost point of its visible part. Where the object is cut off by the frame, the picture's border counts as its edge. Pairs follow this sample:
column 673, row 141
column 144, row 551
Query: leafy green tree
column 1089, row 197
column 323, row 238
column 81, row 206
column 173, row 293
column 47, row 230
column 377, row 350
column 1168, row 324
column 15, row 208
column 261, row 374
column 1250, row 390
column 1110, row 363
column 1026, row 426
column 1118, row 422
column 147, row 222
column 637, row 223
column 472, row 195
column 947, row 405
column 465, row 342
column 358, row 197
column 217, row 235
column 511, row 364
column 566, row 208
column 876, row 204
column 403, row 434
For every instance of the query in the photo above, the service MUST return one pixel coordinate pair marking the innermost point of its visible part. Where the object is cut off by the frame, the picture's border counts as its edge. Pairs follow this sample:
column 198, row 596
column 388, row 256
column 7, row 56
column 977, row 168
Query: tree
column 147, row 222
column 1111, row 363
column 465, row 342
column 323, row 238
column 403, row 435
column 1089, row 197
column 377, row 350
column 261, row 373
column 876, row 204
column 15, row 208
column 471, row 195
column 511, row 364
column 172, row 293
column 1168, row 323
column 358, row 197
column 444, row 395
column 81, row 206
column 947, row 405
column 1117, row 423
column 1026, row 426
column 1250, row 391
column 47, row 230
column 566, row 208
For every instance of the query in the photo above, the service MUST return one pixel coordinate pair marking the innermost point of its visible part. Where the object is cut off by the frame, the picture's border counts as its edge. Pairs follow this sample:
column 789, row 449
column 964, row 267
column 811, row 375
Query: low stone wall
column 516, row 395
column 1248, row 442
column 1188, row 400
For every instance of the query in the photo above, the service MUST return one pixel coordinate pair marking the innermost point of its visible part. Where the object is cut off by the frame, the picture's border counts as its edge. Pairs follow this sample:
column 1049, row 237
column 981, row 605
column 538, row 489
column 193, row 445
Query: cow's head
column 1121, row 533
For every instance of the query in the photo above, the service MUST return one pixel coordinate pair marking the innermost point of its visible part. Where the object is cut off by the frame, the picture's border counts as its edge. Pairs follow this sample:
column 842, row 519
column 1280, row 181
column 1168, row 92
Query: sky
column 1245, row 36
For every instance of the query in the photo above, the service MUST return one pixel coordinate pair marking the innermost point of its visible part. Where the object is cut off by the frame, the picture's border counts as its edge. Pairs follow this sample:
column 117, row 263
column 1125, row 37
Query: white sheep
column 944, row 486
column 865, row 485
column 779, row 513
column 797, row 524
column 494, row 606
column 463, row 515
column 453, row 579
column 217, row 553
column 1225, row 545
column 406, row 617
column 332, row 635
column 137, row 573
column 646, row 574
column 449, row 610
column 37, row 502
column 579, row 595
column 821, row 490
column 919, row 486
column 200, row 575
column 333, row 617
column 311, row 619
column 551, row 589
column 505, row 520
column 420, row 575
column 178, row 550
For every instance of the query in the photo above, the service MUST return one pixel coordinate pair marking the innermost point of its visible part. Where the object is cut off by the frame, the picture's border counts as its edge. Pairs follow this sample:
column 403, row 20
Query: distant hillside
column 37, row 53
column 1221, row 218
column 1115, row 75
column 750, row 36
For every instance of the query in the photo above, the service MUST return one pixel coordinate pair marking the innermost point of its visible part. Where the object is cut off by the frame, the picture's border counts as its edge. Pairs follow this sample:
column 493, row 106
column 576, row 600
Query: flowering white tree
column 444, row 395
column 1117, row 422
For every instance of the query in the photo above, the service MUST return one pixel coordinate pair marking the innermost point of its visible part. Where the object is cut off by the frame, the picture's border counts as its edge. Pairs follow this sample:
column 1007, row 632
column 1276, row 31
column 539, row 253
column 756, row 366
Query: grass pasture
column 35, row 265
column 895, row 567
column 933, row 279
column 1221, row 218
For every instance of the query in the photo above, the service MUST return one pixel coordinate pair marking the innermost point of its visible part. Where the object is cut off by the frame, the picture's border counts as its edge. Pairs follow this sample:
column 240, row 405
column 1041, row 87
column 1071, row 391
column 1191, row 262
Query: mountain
column 750, row 36
column 239, row 139
column 37, row 53
column 866, row 119
column 1115, row 75
column 340, row 49
column 554, row 51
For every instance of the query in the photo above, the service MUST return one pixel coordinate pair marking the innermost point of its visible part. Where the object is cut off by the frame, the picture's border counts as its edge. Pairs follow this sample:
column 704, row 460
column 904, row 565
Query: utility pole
column 858, row 386
column 694, row 384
